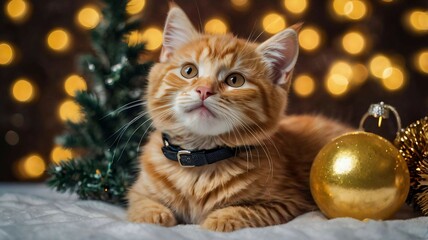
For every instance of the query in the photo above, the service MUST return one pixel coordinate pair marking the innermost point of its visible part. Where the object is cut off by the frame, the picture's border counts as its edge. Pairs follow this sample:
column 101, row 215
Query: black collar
column 188, row 158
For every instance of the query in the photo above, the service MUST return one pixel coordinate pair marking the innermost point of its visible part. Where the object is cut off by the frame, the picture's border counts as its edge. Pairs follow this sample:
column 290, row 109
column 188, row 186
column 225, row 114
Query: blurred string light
column 310, row 38
column 304, row 85
column 23, row 90
column 71, row 111
column 391, row 75
column 421, row 61
column 395, row 79
column 74, row 83
column 339, row 78
column 58, row 39
column 296, row 6
column 135, row 6
column 353, row 42
column 31, row 167
column 7, row 53
column 417, row 20
column 59, row 154
column 273, row 23
column 336, row 85
column 134, row 38
column 152, row 36
column 11, row 138
column 88, row 17
column 379, row 65
column 360, row 74
column 350, row 9
column 240, row 4
column 17, row 10
column 215, row 26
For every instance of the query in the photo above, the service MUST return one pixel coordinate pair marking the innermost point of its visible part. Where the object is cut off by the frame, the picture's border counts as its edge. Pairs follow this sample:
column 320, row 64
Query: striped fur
column 264, row 185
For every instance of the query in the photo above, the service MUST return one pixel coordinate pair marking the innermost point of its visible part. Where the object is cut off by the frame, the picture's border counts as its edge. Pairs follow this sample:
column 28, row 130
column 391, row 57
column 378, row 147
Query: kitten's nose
column 204, row 92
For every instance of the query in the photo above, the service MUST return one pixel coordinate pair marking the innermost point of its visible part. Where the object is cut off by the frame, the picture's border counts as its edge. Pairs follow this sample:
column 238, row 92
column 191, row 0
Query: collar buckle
column 183, row 152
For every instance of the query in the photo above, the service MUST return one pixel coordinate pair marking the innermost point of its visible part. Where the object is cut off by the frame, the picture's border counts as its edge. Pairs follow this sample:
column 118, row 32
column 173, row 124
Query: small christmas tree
column 114, row 126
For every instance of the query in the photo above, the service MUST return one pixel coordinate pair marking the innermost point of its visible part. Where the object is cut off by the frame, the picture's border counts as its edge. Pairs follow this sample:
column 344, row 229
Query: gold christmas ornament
column 413, row 145
column 360, row 174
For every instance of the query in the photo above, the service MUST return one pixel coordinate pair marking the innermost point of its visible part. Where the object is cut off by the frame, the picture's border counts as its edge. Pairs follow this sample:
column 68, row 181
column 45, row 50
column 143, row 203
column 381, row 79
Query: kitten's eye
column 235, row 80
column 189, row 71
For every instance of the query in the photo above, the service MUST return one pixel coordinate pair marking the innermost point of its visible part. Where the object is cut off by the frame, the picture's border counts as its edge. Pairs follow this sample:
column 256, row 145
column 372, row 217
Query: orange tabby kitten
column 219, row 93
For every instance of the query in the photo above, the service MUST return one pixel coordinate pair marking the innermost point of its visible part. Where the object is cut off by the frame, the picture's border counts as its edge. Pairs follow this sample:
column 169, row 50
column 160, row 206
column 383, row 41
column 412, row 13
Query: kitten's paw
column 159, row 215
column 223, row 221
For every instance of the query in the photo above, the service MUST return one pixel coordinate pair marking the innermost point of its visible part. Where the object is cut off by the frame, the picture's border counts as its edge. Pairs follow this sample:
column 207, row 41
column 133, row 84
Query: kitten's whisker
column 269, row 138
column 262, row 144
column 145, row 132
column 201, row 29
column 251, row 131
column 142, row 124
column 139, row 116
column 140, row 103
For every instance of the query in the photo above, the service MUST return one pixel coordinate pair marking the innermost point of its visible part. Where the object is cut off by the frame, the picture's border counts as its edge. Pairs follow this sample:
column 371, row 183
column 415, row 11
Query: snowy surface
column 32, row 211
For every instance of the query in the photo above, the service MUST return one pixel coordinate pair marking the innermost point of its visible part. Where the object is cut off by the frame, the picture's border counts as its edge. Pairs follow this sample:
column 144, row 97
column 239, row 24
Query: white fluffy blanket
column 35, row 212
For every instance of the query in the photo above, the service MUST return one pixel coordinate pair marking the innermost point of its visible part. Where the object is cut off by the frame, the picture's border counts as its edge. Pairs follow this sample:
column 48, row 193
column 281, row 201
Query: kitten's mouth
column 202, row 110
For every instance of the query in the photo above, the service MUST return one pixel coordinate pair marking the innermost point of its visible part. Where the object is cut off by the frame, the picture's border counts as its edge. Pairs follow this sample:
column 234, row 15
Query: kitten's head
column 219, row 85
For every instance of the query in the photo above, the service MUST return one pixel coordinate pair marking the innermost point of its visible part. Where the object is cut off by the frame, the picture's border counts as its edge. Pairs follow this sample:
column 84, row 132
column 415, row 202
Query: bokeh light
column 59, row 154
column 350, row 9
column 310, row 38
column 240, row 4
column 58, row 39
column 360, row 74
column 70, row 110
column 273, row 23
column 74, row 83
column 342, row 68
column 339, row 77
column 153, row 37
column 395, row 79
column 135, row 6
column 421, row 61
column 304, row 85
column 88, row 17
column 296, row 6
column 17, row 10
column 11, row 137
column 7, row 53
column 417, row 20
column 134, row 38
column 23, row 90
column 31, row 167
column 355, row 9
column 353, row 42
column 336, row 85
column 339, row 7
column 215, row 26
column 379, row 65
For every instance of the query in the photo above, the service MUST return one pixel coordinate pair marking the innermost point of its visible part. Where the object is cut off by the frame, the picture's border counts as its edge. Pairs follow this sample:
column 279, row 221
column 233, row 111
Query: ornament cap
column 380, row 111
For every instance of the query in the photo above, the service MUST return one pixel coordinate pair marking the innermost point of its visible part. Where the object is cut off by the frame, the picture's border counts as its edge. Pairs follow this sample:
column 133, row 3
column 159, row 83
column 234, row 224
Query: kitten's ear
column 178, row 30
column 280, row 53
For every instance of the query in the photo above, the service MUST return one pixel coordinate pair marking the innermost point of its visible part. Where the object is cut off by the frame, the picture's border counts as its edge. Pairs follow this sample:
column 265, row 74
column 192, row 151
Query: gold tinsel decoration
column 413, row 145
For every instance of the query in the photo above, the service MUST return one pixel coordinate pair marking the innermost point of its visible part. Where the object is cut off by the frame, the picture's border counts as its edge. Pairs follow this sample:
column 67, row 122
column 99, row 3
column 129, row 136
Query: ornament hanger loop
column 380, row 111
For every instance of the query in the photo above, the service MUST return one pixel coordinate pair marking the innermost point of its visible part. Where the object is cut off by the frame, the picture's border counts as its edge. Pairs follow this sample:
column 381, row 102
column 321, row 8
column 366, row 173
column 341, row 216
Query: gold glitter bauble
column 359, row 175
column 413, row 145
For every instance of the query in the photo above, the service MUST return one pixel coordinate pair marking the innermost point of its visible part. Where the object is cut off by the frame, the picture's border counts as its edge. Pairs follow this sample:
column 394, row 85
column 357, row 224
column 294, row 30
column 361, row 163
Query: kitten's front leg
column 144, row 210
column 259, row 215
